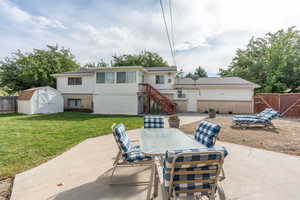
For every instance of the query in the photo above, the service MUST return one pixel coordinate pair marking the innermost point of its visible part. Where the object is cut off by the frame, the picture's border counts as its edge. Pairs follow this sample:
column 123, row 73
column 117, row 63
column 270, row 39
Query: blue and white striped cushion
column 261, row 114
column 206, row 132
column 153, row 122
column 135, row 157
column 201, row 157
column 270, row 115
column 266, row 119
column 122, row 138
column 131, row 153
column 245, row 120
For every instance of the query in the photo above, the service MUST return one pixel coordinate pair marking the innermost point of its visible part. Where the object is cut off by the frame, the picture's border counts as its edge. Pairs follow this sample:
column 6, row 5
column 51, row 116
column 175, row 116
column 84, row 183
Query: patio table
column 155, row 142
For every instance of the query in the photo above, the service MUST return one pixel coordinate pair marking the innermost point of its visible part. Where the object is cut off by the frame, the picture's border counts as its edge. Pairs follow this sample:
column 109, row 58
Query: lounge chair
column 153, row 122
column 206, row 133
column 191, row 174
column 265, row 120
column 259, row 115
column 128, row 154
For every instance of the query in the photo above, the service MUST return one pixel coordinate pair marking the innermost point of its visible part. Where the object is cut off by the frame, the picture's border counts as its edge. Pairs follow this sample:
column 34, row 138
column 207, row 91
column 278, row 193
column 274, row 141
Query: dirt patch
column 285, row 138
column 5, row 188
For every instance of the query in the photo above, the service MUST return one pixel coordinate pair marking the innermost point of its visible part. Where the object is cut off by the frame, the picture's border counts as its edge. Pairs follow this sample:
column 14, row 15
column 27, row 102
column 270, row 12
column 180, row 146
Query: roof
column 151, row 69
column 216, row 81
column 79, row 71
column 90, row 71
column 27, row 94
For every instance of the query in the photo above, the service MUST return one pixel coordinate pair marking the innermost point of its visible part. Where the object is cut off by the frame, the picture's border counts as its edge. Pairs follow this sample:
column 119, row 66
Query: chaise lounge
column 263, row 118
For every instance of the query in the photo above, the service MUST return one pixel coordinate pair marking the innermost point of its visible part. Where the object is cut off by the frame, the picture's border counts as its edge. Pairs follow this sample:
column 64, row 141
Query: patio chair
column 261, row 114
column 206, row 133
column 191, row 174
column 265, row 120
column 153, row 122
column 128, row 154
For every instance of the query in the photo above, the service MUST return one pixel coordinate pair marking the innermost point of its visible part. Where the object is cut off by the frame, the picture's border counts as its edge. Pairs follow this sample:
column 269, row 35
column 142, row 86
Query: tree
column 25, row 70
column 272, row 61
column 189, row 75
column 102, row 63
column 200, row 72
column 145, row 59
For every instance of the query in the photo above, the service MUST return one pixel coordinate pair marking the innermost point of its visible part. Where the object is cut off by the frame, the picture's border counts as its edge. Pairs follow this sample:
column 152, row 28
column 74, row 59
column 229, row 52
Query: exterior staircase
column 152, row 94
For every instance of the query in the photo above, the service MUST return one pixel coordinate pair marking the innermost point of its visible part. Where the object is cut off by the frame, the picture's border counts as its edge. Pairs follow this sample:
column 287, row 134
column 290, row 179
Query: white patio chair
column 191, row 174
column 128, row 154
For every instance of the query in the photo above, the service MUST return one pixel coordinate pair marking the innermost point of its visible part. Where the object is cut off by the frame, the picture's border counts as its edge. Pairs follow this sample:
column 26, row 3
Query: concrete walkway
column 82, row 174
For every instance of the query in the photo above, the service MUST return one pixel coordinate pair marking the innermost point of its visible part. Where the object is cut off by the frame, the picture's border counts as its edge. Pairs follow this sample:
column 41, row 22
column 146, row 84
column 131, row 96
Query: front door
column 192, row 98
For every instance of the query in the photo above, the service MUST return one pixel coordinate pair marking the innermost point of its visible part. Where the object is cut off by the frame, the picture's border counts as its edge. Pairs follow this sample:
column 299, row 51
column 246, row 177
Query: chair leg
column 221, row 192
column 115, row 166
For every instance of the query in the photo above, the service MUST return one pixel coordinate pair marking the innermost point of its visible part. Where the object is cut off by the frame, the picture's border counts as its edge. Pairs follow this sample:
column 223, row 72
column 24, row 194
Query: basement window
column 74, row 103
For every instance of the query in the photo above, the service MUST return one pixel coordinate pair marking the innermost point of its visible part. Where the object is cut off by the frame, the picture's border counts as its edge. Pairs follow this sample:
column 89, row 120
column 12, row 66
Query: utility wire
column 172, row 31
column 172, row 26
column 167, row 31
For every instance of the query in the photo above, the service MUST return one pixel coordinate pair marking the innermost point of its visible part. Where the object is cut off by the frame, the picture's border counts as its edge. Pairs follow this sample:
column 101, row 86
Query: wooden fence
column 8, row 104
column 287, row 104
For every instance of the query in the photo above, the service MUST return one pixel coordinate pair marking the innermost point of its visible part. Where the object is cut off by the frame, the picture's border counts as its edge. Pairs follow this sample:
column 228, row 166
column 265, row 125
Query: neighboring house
column 133, row 89
column 224, row 94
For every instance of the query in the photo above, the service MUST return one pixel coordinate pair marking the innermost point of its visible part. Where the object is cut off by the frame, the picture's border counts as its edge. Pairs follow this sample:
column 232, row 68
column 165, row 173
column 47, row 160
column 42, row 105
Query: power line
column 172, row 25
column 167, row 31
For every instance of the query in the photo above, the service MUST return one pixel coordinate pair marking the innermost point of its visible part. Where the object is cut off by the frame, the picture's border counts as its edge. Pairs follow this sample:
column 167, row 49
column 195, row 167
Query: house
column 134, row 90
column 224, row 94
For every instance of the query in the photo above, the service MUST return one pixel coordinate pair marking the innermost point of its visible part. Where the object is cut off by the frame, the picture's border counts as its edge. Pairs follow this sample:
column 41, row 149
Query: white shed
column 44, row 100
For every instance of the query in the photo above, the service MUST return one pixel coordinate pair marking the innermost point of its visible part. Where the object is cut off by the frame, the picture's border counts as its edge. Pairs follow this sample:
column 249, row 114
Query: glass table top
column 156, row 141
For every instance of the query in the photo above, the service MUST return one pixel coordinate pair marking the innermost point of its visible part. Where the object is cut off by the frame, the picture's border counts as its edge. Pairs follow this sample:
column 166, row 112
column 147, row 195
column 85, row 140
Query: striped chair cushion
column 122, row 138
column 135, row 157
column 167, row 168
column 206, row 132
column 261, row 114
column 153, row 122
column 245, row 120
column 266, row 119
column 270, row 115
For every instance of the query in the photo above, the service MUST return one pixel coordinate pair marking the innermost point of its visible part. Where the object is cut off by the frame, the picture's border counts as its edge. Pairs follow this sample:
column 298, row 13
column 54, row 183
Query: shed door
column 192, row 97
column 42, row 99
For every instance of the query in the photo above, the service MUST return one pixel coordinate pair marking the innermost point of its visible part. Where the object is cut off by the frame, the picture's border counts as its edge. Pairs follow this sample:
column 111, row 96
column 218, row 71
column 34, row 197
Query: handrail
column 148, row 86
column 166, row 104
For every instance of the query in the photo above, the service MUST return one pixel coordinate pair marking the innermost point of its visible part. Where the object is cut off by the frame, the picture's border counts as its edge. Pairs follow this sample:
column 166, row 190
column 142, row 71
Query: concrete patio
column 83, row 173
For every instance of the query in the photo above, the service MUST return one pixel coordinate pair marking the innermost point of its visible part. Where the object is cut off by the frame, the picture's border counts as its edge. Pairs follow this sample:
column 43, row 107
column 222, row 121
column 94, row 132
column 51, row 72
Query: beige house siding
column 86, row 101
column 181, row 105
column 223, row 106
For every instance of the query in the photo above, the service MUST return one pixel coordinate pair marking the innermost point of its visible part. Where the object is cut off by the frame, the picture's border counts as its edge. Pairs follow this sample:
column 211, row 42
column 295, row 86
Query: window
column 126, row 77
column 74, row 81
column 105, row 77
column 159, row 79
column 74, row 103
column 180, row 94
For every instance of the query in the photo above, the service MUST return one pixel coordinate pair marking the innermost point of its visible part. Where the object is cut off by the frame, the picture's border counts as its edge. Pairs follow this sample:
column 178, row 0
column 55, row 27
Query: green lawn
column 28, row 140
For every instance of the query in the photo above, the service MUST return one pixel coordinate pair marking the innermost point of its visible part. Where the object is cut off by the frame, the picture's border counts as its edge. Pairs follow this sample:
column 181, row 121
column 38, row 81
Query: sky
column 207, row 33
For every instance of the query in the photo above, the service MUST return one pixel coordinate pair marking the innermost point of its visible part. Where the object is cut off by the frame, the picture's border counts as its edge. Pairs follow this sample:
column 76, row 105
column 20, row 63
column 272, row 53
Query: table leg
column 151, row 179
column 155, row 192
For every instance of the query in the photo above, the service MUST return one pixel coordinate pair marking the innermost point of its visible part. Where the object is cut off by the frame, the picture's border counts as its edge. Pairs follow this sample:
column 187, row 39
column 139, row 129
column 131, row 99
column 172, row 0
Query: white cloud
column 207, row 32
column 15, row 14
